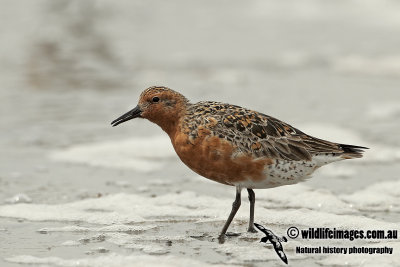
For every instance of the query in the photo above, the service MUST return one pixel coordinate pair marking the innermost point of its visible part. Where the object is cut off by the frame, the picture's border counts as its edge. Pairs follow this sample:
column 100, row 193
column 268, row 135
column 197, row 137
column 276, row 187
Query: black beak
column 134, row 113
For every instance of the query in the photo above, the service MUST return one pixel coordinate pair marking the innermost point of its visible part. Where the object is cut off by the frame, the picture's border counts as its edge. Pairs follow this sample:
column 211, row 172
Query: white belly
column 286, row 172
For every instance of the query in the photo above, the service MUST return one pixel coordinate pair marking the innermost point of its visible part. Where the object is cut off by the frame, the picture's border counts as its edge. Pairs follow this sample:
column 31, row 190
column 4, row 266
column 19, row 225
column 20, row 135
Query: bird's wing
column 261, row 228
column 275, row 241
column 256, row 133
column 280, row 140
column 279, row 250
column 265, row 136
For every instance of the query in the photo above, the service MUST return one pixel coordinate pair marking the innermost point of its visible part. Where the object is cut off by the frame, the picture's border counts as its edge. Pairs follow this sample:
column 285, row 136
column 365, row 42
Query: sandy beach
column 75, row 191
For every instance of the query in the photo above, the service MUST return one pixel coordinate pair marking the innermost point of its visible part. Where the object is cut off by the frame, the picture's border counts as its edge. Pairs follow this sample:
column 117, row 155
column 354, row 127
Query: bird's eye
column 156, row 99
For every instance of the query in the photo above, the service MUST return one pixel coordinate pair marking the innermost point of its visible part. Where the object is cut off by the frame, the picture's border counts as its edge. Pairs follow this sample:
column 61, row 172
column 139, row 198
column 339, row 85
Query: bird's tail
column 352, row 152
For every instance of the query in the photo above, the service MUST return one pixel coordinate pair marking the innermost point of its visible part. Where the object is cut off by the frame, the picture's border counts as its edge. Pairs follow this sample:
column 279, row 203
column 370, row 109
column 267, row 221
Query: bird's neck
column 171, row 122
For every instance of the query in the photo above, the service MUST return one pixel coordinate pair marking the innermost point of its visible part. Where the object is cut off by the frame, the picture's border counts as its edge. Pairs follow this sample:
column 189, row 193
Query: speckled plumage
column 295, row 154
column 255, row 133
column 234, row 145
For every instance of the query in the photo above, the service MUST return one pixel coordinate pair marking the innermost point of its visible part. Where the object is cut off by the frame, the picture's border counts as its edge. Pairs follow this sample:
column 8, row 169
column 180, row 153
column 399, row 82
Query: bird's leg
column 235, row 208
column 252, row 199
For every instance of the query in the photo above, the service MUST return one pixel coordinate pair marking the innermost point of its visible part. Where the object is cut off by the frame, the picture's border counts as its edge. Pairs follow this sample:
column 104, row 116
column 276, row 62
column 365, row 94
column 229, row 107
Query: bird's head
column 158, row 104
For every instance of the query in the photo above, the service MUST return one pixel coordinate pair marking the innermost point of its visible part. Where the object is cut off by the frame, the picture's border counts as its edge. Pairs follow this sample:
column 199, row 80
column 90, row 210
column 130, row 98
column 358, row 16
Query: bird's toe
column 251, row 229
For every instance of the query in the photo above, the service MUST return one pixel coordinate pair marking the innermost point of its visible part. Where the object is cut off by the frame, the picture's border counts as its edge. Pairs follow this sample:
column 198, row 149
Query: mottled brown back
column 255, row 133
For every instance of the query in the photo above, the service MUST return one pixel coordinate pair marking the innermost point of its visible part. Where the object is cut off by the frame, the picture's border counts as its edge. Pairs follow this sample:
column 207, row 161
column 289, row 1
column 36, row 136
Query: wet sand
column 97, row 195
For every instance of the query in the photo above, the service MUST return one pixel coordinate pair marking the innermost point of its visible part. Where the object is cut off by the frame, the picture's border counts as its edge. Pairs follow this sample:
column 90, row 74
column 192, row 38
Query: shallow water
column 77, row 192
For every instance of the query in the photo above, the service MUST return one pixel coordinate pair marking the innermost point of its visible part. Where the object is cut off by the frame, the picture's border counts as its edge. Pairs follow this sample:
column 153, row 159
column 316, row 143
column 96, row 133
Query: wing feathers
column 261, row 135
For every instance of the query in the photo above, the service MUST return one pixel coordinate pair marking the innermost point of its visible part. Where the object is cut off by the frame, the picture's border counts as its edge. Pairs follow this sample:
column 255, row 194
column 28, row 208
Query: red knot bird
column 236, row 146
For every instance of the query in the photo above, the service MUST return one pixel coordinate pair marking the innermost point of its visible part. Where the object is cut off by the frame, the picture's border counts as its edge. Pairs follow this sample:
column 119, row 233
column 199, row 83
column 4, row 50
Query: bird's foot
column 222, row 237
column 251, row 229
